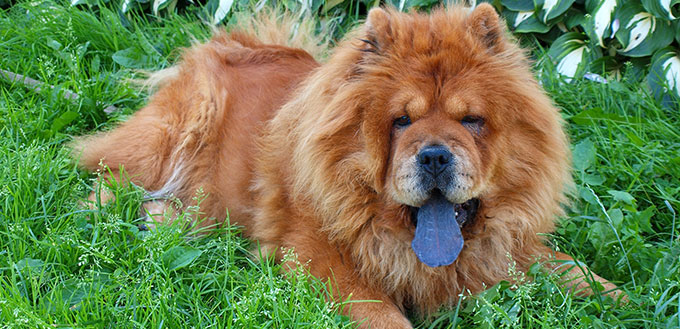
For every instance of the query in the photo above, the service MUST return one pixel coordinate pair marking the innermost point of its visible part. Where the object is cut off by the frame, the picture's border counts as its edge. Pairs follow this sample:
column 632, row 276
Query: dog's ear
column 485, row 25
column 378, row 31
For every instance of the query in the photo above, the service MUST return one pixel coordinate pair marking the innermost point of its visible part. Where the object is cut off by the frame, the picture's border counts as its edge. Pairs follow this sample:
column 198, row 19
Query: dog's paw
column 156, row 212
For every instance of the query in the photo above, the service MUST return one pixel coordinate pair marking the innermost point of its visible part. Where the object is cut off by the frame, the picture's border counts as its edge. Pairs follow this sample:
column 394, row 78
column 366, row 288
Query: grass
column 62, row 266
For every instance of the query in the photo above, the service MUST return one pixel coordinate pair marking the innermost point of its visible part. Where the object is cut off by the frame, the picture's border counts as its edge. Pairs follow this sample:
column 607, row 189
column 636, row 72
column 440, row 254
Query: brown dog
column 405, row 169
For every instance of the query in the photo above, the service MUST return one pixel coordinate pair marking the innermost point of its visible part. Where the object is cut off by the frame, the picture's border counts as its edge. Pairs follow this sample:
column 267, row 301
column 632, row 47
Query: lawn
column 64, row 266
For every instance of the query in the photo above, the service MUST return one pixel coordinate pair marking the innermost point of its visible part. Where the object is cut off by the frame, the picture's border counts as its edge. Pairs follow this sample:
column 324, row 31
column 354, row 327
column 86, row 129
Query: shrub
column 598, row 37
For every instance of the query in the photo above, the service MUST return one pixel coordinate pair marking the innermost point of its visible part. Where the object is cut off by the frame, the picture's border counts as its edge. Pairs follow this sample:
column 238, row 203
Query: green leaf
column 73, row 291
column 593, row 179
column 179, row 256
column 634, row 138
column 30, row 265
column 81, row 49
column 548, row 10
column 572, row 55
column 664, row 75
column 63, row 120
column 518, row 5
column 574, row 17
column 598, row 24
column 54, row 44
column 664, row 9
column 641, row 33
column 314, row 5
column 604, row 65
column 622, row 196
column 131, row 57
column 643, row 218
column 616, row 215
column 584, row 155
column 153, row 55
column 95, row 64
column 524, row 22
column 597, row 232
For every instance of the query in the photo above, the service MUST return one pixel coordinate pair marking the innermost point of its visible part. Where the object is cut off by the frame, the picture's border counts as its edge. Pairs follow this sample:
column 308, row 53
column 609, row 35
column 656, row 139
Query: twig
column 37, row 86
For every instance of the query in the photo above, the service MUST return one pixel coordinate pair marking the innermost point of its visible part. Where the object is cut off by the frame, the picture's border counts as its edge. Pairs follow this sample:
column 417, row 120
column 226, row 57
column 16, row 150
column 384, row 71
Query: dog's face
column 444, row 118
column 438, row 148
column 441, row 155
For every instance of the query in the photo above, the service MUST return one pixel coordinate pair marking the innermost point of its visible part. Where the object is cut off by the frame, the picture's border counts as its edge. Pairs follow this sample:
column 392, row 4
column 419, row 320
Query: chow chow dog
column 407, row 169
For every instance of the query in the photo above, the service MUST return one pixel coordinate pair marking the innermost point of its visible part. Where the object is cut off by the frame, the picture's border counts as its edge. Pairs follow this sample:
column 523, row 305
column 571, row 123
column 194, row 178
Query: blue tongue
column 438, row 240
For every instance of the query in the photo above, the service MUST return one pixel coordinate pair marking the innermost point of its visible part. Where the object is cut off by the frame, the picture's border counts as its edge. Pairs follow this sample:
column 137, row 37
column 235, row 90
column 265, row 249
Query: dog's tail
column 269, row 26
column 280, row 27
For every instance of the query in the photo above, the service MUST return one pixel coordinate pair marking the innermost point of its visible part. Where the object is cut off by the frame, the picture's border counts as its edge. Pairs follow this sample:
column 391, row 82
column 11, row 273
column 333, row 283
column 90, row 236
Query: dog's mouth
column 438, row 239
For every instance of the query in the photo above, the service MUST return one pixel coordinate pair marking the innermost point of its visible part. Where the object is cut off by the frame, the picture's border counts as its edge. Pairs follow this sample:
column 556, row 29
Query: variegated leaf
column 524, row 22
column 571, row 54
column 671, row 68
column 223, row 9
column 126, row 5
column 158, row 5
column 641, row 33
column 664, row 75
column 548, row 10
column 601, row 16
column 664, row 9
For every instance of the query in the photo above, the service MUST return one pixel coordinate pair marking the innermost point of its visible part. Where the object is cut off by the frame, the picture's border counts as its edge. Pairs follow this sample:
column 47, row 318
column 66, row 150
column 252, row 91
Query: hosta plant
column 594, row 38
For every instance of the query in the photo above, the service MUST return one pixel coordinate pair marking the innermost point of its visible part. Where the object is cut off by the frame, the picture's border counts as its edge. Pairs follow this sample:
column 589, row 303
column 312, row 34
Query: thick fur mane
column 338, row 163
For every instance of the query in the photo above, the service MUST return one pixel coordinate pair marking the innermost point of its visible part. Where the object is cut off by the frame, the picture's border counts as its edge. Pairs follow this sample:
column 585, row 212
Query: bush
column 597, row 37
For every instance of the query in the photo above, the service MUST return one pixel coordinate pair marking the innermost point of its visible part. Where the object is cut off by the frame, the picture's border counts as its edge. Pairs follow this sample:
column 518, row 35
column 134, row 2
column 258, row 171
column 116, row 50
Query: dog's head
column 432, row 120
column 452, row 117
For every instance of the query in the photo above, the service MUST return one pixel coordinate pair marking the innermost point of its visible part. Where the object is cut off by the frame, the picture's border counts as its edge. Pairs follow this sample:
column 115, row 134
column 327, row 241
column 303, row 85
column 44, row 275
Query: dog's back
column 200, row 128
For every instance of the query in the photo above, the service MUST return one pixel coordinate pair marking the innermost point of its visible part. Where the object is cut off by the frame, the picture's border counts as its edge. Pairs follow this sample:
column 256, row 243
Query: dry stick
column 37, row 86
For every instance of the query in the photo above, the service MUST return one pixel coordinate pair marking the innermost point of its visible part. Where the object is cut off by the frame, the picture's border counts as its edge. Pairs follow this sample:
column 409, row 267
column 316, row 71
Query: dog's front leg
column 577, row 276
column 368, row 306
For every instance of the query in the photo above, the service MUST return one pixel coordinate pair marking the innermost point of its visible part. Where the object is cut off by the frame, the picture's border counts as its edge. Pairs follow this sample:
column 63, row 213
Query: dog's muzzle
column 438, row 238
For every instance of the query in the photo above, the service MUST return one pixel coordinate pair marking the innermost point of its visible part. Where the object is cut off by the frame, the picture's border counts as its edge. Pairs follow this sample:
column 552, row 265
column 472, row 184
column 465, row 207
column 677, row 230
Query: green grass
column 63, row 266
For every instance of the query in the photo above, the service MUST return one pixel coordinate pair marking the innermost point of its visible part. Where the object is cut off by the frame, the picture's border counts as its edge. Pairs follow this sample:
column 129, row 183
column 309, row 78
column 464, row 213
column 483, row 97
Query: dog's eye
column 471, row 121
column 402, row 121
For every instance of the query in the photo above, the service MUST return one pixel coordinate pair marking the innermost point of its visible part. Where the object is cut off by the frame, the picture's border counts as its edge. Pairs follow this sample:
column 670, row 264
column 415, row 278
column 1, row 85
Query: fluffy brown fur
column 307, row 157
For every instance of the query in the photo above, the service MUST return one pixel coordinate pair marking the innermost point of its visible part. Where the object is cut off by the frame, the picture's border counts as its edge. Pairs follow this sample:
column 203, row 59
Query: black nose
column 434, row 159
